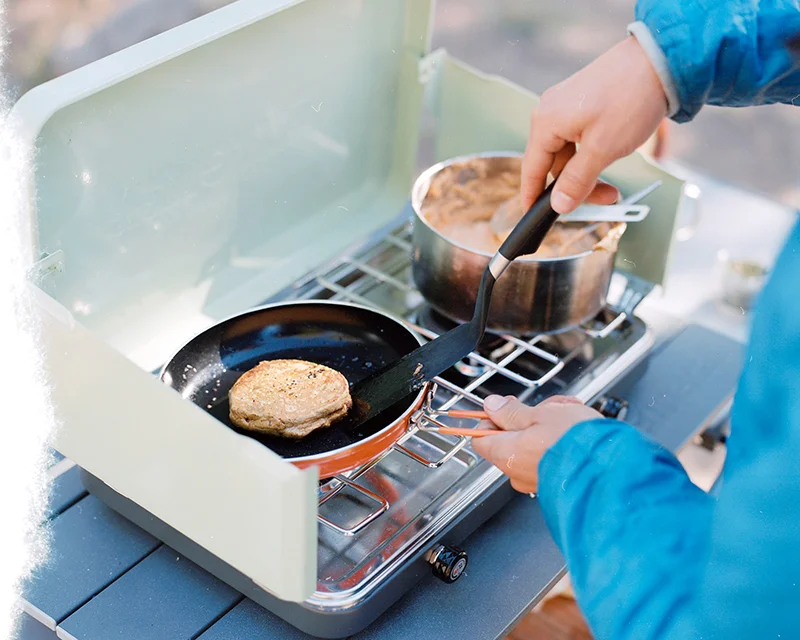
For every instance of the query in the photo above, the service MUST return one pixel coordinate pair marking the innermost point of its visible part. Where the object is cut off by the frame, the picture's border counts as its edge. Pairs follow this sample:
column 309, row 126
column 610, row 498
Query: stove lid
column 198, row 172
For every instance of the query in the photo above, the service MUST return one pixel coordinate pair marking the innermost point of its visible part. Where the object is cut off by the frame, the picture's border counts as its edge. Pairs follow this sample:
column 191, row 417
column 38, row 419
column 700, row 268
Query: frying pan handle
column 526, row 237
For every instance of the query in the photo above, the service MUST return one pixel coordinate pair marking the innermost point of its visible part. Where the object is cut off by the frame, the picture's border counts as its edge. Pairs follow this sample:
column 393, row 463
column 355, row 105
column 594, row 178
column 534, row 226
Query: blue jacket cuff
column 726, row 53
column 657, row 58
column 587, row 449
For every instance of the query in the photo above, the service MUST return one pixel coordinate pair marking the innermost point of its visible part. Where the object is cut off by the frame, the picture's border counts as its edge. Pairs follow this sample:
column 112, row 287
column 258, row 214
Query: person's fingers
column 578, row 178
column 535, row 167
column 603, row 193
column 487, row 425
column 501, row 450
column 510, row 455
column 559, row 400
column 524, row 486
column 508, row 413
column 561, row 157
column 543, row 146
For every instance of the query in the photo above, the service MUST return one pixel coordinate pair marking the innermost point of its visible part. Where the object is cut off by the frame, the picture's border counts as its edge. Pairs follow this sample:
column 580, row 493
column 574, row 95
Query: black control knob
column 448, row 562
column 614, row 408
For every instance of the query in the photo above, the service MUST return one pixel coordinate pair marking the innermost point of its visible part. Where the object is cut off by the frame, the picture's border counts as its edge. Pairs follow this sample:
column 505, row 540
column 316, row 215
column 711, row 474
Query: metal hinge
column 429, row 66
column 636, row 290
column 49, row 265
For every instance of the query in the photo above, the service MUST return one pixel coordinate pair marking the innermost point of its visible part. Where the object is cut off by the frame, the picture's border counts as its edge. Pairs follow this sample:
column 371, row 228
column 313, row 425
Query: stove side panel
column 224, row 491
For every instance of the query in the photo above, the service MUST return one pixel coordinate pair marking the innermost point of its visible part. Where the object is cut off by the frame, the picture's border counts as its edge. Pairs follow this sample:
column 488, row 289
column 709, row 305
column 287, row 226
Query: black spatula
column 407, row 375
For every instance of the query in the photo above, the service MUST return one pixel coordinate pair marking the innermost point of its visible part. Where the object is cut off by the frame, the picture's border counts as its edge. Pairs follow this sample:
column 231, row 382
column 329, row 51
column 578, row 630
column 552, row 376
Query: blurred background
column 535, row 44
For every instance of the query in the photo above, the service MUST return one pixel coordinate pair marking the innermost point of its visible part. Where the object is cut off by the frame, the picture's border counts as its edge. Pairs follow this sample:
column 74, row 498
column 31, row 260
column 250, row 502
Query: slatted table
column 107, row 579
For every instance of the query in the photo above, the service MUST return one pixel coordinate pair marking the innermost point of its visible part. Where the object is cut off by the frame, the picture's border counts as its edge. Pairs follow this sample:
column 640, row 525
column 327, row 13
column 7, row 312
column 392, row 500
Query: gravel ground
column 535, row 44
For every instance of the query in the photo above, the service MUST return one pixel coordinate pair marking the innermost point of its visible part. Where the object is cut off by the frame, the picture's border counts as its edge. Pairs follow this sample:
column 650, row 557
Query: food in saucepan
column 289, row 398
column 463, row 197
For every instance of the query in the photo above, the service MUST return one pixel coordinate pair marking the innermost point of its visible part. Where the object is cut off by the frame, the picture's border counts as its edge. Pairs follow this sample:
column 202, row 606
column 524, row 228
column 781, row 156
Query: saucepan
column 535, row 295
column 349, row 338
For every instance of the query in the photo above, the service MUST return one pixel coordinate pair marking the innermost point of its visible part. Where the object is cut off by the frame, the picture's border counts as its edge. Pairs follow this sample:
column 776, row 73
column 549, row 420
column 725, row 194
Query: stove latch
column 448, row 563
column 614, row 408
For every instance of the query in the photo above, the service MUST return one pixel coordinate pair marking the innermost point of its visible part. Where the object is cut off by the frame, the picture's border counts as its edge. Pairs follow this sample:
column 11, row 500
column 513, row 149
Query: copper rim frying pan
column 352, row 339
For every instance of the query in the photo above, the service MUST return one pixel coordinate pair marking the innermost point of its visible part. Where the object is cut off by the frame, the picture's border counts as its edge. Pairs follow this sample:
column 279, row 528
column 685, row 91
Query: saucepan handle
column 529, row 233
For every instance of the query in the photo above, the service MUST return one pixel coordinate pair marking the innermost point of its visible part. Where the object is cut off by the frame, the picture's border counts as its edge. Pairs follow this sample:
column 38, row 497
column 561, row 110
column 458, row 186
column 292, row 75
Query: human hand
column 531, row 432
column 610, row 107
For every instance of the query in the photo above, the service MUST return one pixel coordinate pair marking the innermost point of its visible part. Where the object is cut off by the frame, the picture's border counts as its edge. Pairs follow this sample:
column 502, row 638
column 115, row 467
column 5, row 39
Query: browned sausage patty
column 289, row 398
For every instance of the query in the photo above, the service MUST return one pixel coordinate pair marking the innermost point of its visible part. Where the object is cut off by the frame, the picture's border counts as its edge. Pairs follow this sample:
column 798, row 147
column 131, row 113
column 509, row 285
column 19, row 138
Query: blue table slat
column 251, row 621
column 91, row 547
column 55, row 457
column 163, row 597
column 67, row 489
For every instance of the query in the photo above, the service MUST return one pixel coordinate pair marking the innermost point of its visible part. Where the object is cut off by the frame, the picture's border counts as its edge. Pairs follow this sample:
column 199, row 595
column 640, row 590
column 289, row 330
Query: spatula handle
column 526, row 237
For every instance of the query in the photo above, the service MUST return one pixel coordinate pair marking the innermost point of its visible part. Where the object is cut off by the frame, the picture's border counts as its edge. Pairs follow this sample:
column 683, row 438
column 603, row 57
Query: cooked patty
column 289, row 398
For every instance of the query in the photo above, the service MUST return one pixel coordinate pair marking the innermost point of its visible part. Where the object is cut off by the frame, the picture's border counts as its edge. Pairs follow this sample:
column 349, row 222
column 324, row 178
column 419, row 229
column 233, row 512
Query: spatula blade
column 408, row 375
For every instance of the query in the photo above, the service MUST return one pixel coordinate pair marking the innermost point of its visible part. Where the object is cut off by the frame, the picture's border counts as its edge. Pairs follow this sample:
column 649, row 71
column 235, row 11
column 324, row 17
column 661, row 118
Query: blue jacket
column 649, row 554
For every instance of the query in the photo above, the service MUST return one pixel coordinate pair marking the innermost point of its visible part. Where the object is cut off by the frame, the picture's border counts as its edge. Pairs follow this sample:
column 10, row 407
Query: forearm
column 721, row 52
column 625, row 515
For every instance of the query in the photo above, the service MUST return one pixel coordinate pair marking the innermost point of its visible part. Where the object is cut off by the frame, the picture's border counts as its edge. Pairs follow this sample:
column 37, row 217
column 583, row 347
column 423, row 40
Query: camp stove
column 178, row 183
column 399, row 519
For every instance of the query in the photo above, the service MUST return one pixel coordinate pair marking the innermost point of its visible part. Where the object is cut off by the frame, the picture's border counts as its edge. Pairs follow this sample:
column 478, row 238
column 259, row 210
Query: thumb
column 578, row 179
column 508, row 413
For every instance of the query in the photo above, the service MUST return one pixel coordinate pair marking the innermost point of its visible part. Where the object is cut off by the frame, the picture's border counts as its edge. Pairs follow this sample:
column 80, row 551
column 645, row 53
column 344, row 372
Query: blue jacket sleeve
column 650, row 555
column 625, row 515
column 750, row 585
column 725, row 52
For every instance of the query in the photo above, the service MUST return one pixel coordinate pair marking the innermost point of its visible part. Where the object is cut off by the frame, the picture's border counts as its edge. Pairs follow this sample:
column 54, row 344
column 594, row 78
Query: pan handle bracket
column 427, row 414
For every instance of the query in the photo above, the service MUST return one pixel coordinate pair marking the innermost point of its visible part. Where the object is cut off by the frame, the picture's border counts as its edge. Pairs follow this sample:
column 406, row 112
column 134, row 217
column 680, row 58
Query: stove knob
column 448, row 563
column 615, row 408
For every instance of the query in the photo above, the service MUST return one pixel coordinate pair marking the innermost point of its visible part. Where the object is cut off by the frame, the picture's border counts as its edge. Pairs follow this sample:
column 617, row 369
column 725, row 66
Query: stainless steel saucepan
column 536, row 295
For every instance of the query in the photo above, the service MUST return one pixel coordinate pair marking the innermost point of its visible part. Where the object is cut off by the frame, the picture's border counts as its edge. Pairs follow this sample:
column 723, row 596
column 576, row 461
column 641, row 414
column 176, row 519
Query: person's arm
column 651, row 555
column 750, row 586
column 633, row 528
column 631, row 525
column 720, row 52
column 682, row 54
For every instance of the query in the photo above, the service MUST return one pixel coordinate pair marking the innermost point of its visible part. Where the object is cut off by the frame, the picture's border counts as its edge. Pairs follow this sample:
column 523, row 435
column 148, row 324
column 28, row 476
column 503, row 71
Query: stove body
column 387, row 525
column 140, row 247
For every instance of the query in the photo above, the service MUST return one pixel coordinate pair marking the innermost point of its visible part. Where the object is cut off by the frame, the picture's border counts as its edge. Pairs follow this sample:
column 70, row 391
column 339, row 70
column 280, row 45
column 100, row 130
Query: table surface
column 107, row 578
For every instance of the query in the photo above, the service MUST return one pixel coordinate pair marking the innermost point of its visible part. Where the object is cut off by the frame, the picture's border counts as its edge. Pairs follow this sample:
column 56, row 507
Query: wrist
column 662, row 83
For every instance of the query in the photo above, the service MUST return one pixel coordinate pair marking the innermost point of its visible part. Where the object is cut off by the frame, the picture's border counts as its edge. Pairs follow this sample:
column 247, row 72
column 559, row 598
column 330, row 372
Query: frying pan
column 349, row 338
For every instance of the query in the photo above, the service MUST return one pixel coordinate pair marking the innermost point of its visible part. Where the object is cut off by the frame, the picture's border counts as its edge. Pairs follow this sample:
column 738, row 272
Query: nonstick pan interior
column 353, row 340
